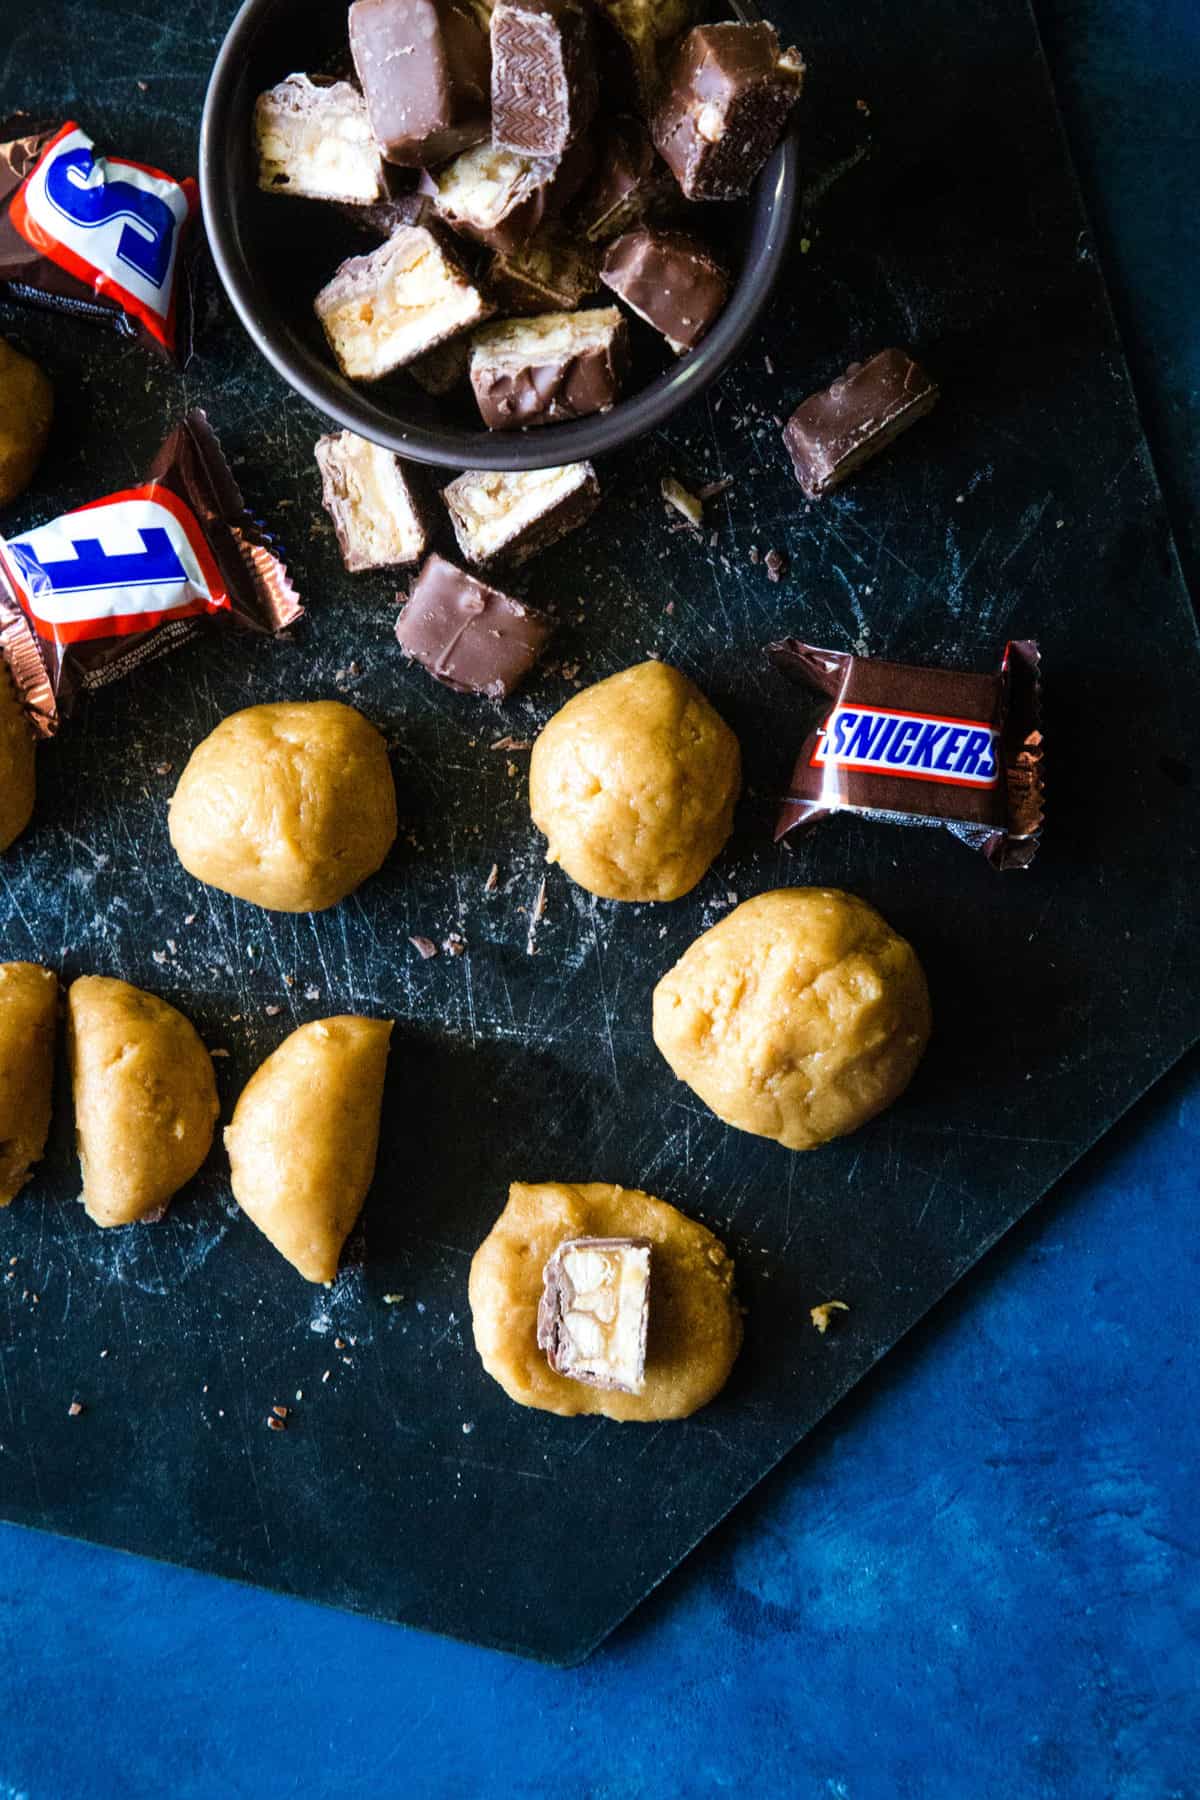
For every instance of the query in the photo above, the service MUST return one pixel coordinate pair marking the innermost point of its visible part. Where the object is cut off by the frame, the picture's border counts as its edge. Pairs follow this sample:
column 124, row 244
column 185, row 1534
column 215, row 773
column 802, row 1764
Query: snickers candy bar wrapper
column 920, row 746
column 87, row 598
column 98, row 236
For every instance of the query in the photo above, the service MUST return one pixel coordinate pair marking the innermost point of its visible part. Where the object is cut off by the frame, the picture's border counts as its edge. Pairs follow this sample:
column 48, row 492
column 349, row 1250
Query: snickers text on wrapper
column 922, row 746
column 120, row 581
column 100, row 235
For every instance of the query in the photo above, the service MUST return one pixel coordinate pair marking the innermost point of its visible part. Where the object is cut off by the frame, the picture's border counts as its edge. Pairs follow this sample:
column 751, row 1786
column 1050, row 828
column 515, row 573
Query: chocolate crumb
column 274, row 1424
column 281, row 1412
column 777, row 565
column 454, row 945
column 339, row 1343
column 74, row 1410
column 164, row 768
column 512, row 743
column 493, row 880
column 425, row 947
column 752, row 553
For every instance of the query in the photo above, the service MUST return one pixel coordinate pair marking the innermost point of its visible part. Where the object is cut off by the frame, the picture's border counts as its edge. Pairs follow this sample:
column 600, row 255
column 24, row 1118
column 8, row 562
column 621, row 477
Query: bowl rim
column 774, row 203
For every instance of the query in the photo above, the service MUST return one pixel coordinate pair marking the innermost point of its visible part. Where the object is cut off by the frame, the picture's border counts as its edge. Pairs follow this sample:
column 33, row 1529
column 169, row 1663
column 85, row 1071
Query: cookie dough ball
column 26, row 408
column 304, row 1135
column 289, row 805
column 798, row 1017
column 16, row 764
column 145, row 1098
column 28, row 1003
column 634, row 783
column 695, row 1328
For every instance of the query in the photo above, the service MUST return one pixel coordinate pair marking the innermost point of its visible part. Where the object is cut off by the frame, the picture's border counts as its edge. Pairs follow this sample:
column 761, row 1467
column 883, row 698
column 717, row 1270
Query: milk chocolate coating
column 544, row 83
column 545, row 188
column 669, row 279
column 550, row 388
column 630, row 178
column 725, row 102
column 558, row 1295
column 469, row 636
column 425, row 71
column 546, row 274
column 831, row 433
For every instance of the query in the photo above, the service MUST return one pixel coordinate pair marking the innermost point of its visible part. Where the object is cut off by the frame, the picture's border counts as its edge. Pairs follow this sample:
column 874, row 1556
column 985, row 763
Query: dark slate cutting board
column 406, row 1485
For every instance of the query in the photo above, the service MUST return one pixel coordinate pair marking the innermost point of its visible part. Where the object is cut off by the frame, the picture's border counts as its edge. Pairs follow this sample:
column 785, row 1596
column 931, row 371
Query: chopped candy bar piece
column 500, row 197
column 369, row 495
column 724, row 106
column 544, row 275
column 669, row 279
column 544, row 83
column 509, row 516
column 594, row 1311
column 425, row 70
column 383, row 310
column 552, row 367
column 314, row 141
column 830, row 434
column 646, row 28
column 469, row 636
column 630, row 179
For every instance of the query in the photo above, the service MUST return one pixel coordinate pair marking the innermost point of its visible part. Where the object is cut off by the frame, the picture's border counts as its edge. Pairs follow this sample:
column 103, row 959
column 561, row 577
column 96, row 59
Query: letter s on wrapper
column 97, row 236
column 87, row 598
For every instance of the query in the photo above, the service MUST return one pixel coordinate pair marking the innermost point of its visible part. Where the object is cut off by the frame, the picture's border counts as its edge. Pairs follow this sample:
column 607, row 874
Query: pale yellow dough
column 798, row 1017
column 28, row 1003
column 16, row 764
column 695, row 1325
column 634, row 782
column 145, row 1098
column 26, row 408
column 304, row 1136
column 289, row 805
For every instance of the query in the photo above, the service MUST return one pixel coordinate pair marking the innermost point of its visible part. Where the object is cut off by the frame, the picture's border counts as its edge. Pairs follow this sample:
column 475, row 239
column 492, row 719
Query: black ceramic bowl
column 273, row 254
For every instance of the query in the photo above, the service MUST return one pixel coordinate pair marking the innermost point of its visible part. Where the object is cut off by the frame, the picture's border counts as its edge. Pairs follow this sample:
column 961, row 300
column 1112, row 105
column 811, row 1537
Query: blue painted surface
column 978, row 1581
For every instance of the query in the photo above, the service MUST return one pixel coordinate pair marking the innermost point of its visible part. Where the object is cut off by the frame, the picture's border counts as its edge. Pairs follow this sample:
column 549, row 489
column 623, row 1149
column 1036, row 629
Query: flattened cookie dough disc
column 634, row 782
column 303, row 1138
column 695, row 1325
column 28, row 1004
column 289, row 805
column 16, row 763
column 798, row 1017
column 145, row 1098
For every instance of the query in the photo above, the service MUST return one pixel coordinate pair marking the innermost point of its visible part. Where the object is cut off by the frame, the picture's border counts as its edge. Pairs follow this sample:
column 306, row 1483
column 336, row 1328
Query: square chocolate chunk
column 594, row 1311
column 544, row 83
column 546, row 274
column 383, row 310
column 555, row 366
column 830, row 434
column 630, row 180
column 313, row 139
column 376, row 511
column 425, row 70
column 646, row 29
column 469, row 636
column 507, row 517
column 724, row 105
column 670, row 279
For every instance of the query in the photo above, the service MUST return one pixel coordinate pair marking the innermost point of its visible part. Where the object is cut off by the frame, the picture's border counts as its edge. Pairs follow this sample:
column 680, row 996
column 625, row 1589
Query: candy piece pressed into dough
column 304, row 1135
column 799, row 1016
column 634, row 782
column 290, row 805
column 145, row 1098
column 695, row 1326
column 16, row 763
column 28, row 1003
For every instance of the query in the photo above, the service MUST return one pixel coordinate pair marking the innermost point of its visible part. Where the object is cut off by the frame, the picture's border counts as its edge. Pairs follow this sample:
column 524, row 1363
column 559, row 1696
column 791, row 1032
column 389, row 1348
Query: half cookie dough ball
column 28, row 1003
column 634, row 783
column 16, row 764
column 26, row 408
column 798, row 1017
column 289, row 805
column 695, row 1327
column 304, row 1135
column 145, row 1098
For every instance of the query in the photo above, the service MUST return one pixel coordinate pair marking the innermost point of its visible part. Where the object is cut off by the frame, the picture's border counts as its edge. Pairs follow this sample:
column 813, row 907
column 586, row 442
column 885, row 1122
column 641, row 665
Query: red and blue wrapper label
column 922, row 746
column 122, row 580
column 99, row 235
